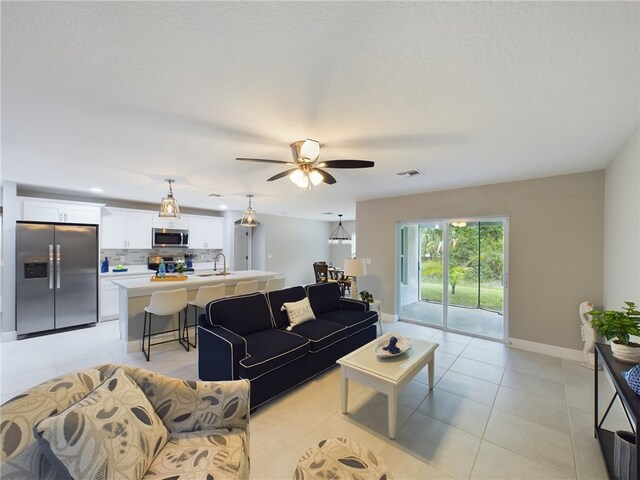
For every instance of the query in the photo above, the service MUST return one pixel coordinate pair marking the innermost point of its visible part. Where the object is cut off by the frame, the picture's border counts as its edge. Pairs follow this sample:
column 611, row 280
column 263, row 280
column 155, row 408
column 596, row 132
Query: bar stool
column 244, row 288
column 274, row 283
column 205, row 295
column 167, row 302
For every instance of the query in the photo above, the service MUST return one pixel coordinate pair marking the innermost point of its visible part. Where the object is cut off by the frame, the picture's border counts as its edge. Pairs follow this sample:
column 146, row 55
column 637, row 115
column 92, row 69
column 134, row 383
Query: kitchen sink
column 219, row 274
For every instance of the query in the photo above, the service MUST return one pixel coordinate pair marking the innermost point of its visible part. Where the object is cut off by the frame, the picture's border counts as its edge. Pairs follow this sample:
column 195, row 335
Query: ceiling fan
column 308, row 171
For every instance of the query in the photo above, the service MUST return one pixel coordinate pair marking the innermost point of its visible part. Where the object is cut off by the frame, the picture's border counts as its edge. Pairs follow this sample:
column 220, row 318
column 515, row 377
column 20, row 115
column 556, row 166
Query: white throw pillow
column 298, row 312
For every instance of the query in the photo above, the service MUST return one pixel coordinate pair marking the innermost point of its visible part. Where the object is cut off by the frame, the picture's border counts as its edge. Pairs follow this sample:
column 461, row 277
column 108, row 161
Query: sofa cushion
column 112, row 433
column 271, row 349
column 324, row 297
column 218, row 454
column 242, row 314
column 352, row 319
column 20, row 452
column 298, row 312
column 188, row 405
column 321, row 333
column 277, row 298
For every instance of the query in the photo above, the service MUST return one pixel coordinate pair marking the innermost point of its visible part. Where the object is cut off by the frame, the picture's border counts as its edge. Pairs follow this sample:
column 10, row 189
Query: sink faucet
column 224, row 264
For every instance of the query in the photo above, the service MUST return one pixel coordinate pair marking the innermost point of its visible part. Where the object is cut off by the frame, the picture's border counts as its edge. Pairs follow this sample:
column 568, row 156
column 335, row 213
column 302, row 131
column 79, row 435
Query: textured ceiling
column 122, row 95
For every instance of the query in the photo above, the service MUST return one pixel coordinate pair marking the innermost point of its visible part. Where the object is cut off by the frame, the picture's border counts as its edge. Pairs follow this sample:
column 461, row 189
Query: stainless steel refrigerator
column 56, row 276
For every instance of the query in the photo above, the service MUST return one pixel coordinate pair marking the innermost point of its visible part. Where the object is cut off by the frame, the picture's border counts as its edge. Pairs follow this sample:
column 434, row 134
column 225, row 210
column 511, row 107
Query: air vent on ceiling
column 215, row 195
column 409, row 173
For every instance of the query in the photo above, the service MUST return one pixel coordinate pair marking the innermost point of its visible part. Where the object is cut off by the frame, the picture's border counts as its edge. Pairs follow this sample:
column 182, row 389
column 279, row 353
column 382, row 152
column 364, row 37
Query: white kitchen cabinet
column 205, row 232
column 124, row 228
column 181, row 223
column 110, row 296
column 109, row 300
column 58, row 211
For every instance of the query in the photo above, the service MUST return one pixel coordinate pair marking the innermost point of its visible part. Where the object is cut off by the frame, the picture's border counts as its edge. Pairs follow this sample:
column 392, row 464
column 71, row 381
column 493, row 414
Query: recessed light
column 327, row 213
column 222, row 206
column 215, row 195
column 96, row 189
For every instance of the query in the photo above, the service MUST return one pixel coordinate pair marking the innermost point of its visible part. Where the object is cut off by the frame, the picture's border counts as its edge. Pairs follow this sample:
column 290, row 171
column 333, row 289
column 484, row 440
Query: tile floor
column 495, row 413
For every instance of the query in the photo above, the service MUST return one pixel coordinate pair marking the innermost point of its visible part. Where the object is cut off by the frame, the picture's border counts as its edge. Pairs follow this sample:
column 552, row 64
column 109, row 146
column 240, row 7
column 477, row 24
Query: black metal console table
column 629, row 399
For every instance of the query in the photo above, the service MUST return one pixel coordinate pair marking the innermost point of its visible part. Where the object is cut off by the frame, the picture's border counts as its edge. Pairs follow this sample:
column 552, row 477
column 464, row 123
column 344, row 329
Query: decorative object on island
column 307, row 171
column 366, row 297
column 340, row 235
column 618, row 325
column 588, row 335
column 249, row 218
column 354, row 267
column 169, row 205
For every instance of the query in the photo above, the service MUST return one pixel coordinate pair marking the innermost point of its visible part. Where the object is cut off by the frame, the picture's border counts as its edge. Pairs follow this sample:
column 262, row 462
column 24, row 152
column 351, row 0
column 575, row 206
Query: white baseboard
column 545, row 349
column 9, row 336
column 389, row 318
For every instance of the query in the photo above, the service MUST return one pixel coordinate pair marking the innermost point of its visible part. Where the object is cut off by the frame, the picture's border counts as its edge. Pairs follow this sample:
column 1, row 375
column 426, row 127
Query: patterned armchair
column 207, row 423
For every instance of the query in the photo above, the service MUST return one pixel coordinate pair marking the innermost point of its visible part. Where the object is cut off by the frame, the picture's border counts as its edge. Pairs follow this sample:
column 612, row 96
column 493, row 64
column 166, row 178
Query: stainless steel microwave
column 168, row 237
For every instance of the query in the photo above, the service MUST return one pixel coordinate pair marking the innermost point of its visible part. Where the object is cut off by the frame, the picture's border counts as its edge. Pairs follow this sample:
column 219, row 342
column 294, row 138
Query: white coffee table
column 386, row 375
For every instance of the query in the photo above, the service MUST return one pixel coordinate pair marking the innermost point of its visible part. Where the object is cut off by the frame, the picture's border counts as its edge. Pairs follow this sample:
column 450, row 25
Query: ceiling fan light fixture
column 310, row 149
column 298, row 177
column 249, row 217
column 340, row 235
column 315, row 177
column 169, row 206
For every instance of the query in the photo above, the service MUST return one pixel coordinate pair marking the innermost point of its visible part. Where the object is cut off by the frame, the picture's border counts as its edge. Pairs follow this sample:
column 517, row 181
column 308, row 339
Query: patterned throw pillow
column 112, row 433
column 298, row 312
column 633, row 378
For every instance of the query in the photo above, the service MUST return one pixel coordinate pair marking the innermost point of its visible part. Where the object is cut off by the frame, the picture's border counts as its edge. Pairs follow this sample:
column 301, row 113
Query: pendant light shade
column 169, row 206
column 249, row 218
column 340, row 235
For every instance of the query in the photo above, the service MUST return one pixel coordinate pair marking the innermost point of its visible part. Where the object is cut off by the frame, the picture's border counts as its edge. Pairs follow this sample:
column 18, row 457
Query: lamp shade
column 169, row 206
column 355, row 267
column 249, row 217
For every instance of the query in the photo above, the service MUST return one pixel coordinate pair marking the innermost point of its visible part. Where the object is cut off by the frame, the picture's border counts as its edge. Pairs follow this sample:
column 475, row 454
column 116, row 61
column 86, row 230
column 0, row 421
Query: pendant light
column 340, row 235
column 169, row 206
column 249, row 218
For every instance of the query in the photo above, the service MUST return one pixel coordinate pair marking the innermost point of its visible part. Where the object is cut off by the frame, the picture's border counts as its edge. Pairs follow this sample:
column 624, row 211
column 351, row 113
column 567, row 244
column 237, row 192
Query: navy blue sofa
column 246, row 337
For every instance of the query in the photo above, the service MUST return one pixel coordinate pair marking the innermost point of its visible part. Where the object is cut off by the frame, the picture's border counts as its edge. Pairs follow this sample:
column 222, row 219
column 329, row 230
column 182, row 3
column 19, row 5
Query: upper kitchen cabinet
column 124, row 228
column 205, row 232
column 181, row 223
column 60, row 211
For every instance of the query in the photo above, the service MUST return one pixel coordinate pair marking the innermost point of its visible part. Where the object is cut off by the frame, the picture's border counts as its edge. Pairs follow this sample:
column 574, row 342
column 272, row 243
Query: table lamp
column 354, row 267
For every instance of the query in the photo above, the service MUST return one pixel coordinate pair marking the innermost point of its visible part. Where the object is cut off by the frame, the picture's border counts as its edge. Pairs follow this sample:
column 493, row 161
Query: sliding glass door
column 454, row 279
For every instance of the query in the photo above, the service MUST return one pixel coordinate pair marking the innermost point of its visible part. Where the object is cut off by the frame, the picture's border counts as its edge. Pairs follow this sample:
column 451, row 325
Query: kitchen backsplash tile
column 139, row 257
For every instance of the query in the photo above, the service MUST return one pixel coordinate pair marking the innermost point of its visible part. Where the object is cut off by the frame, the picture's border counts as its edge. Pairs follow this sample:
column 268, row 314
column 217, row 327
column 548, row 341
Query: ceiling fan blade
column 347, row 164
column 282, row 174
column 262, row 160
column 326, row 178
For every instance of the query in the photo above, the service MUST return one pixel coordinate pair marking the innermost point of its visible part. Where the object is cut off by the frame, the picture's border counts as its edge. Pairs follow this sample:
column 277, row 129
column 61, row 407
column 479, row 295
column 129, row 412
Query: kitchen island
column 135, row 294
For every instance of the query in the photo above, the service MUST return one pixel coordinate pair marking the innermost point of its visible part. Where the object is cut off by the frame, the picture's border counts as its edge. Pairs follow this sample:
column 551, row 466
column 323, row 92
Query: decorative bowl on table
column 384, row 350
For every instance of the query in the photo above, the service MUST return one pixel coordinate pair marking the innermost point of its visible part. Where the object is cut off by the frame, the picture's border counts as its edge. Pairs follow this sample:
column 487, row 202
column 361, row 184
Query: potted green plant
column 618, row 326
column 366, row 296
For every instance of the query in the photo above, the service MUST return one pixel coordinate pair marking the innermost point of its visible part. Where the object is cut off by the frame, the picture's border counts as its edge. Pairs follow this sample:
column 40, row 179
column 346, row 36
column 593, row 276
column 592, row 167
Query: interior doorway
column 453, row 275
column 242, row 237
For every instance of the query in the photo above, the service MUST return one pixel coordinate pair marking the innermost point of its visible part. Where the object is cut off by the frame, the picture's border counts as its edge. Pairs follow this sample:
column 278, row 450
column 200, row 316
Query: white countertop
column 138, row 287
column 143, row 270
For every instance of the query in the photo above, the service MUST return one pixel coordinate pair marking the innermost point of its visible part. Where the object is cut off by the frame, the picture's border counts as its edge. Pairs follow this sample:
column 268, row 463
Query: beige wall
column 290, row 246
column 555, row 246
column 622, row 227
